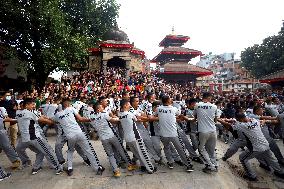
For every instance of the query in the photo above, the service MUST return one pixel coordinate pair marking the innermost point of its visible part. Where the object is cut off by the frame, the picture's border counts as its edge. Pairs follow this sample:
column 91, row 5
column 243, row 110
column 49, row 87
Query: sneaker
column 132, row 167
column 151, row 172
column 207, row 170
column 160, row 162
column 198, row 160
column 100, row 171
column 69, row 172
column 116, row 174
column 180, row 163
column 122, row 165
column 265, row 167
column 35, row 171
column 87, row 162
column 189, row 168
column 16, row 164
column 280, row 175
column 250, row 178
column 143, row 169
column 155, row 169
column 59, row 171
column 8, row 175
column 170, row 165
column 216, row 169
column 27, row 163
column 62, row 162
column 281, row 162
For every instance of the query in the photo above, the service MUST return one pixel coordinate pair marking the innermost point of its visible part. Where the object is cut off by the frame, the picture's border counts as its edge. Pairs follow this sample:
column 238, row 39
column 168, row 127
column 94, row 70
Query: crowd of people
column 137, row 118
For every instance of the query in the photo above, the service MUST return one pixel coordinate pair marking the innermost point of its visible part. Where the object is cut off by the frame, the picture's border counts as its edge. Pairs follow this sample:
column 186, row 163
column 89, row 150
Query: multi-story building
column 228, row 74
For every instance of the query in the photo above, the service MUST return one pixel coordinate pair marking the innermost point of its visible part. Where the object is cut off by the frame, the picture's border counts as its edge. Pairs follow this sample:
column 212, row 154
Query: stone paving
column 228, row 176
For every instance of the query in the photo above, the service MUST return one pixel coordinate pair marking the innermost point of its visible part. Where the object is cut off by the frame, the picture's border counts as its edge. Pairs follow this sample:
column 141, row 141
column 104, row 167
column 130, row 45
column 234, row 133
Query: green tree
column 52, row 34
column 267, row 57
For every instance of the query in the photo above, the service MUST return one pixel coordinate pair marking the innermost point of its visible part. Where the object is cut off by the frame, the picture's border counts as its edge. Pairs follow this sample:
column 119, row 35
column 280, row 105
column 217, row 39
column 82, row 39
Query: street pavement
column 228, row 177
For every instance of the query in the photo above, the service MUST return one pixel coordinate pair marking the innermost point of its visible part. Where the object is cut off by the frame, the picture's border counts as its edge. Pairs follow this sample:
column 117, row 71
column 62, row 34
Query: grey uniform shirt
column 137, row 112
column 206, row 114
column 88, row 111
column 254, row 116
column 44, row 108
column 78, row 105
column 272, row 109
column 67, row 120
column 127, row 120
column 147, row 107
column 249, row 111
column 193, row 124
column 38, row 114
column 252, row 131
column 144, row 132
column 3, row 114
column 27, row 121
column 100, row 121
column 107, row 110
column 51, row 110
column 179, row 104
column 167, row 120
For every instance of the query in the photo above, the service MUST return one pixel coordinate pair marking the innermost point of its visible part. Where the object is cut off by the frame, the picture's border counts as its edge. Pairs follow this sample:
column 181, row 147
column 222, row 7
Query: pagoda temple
column 116, row 51
column 173, row 60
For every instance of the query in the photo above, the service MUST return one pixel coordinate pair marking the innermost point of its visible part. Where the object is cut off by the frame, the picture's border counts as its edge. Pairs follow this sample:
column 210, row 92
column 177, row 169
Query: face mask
column 8, row 97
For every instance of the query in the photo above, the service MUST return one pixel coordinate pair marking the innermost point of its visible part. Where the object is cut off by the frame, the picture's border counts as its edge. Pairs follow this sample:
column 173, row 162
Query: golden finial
column 173, row 30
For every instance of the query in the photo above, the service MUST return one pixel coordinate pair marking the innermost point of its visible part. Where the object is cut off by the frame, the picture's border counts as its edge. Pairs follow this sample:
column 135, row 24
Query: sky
column 216, row 26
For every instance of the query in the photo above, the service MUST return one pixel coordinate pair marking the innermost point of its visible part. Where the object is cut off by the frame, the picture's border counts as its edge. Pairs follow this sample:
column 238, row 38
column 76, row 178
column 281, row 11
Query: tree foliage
column 52, row 34
column 267, row 57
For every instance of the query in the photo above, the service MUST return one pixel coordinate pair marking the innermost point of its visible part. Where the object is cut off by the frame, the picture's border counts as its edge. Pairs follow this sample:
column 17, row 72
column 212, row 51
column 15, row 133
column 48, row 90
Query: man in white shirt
column 144, row 132
column 50, row 110
column 101, row 121
column 191, row 125
column 61, row 140
column 67, row 119
column 206, row 114
column 258, row 146
column 169, row 134
column 132, row 136
column 258, row 114
column 78, row 104
column 31, row 138
column 147, row 105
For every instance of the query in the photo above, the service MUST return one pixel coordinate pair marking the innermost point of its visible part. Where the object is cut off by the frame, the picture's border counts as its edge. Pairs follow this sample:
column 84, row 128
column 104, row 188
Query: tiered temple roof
column 176, row 53
column 174, row 58
column 181, row 68
column 174, row 40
